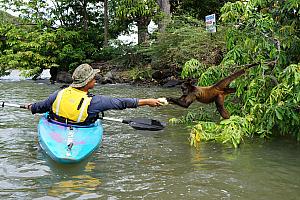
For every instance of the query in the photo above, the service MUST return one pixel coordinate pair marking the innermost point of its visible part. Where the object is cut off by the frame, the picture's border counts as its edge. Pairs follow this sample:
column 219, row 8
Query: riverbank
column 111, row 74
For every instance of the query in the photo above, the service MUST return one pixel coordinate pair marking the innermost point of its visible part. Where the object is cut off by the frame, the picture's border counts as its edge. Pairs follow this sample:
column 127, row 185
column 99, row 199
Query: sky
column 133, row 37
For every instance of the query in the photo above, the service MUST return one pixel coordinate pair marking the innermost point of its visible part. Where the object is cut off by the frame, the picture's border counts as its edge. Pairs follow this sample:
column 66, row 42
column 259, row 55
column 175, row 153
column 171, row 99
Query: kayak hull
column 68, row 144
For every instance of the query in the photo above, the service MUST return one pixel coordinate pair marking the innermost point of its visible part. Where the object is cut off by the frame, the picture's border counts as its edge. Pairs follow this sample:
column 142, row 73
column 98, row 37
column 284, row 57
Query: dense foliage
column 76, row 30
column 186, row 38
column 197, row 9
column 258, row 31
column 62, row 35
column 35, row 49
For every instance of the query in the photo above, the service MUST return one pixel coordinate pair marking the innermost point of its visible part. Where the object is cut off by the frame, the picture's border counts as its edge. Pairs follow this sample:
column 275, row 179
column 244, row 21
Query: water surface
column 134, row 164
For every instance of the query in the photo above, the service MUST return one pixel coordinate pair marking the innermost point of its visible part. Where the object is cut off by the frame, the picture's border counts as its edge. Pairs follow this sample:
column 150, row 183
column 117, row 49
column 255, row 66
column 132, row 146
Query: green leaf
column 278, row 115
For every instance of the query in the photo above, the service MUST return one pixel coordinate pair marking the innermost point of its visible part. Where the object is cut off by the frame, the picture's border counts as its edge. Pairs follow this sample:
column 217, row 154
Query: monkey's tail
column 222, row 84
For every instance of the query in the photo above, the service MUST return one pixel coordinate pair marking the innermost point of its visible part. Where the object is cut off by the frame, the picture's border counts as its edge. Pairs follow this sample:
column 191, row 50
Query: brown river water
column 134, row 164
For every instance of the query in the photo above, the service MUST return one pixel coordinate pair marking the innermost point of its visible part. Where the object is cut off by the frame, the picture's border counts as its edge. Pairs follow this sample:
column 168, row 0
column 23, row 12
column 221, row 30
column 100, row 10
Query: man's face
column 91, row 84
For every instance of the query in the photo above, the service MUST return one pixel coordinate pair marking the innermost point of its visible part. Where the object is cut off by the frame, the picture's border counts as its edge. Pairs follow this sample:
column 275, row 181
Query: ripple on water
column 135, row 164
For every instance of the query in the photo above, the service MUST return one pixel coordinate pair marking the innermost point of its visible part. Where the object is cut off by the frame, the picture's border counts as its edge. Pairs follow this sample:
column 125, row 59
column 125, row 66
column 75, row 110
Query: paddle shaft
column 140, row 124
column 113, row 119
column 22, row 106
column 12, row 105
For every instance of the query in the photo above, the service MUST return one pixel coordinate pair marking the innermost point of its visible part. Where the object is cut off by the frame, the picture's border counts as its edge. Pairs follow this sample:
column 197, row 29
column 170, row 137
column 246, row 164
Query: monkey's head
column 187, row 87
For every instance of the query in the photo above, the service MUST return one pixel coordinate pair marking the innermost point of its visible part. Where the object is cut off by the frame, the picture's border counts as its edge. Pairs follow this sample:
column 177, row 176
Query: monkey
column 214, row 93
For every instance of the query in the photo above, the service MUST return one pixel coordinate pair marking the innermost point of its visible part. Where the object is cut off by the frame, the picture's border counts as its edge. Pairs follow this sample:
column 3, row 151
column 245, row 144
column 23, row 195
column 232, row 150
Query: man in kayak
column 75, row 105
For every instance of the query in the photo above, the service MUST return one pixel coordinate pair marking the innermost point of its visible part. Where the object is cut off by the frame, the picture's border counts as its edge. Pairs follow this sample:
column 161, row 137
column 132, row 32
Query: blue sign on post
column 210, row 21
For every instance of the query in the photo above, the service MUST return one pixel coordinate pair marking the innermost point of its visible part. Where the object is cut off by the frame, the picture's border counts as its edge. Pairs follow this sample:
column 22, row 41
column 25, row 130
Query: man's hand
column 27, row 106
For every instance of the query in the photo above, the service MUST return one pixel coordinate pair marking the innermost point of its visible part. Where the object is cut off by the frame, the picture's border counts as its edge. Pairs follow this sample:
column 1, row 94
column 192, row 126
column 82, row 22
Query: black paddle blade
column 145, row 124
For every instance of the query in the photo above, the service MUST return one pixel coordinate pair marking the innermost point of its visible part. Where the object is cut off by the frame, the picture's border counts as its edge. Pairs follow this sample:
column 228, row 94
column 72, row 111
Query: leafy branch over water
column 267, row 99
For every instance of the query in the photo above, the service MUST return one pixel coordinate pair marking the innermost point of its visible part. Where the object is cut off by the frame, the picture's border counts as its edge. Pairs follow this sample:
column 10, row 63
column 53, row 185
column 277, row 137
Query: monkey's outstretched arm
column 183, row 101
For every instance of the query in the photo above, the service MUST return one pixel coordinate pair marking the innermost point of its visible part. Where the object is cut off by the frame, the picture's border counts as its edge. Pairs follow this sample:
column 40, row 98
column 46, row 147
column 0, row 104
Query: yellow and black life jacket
column 72, row 104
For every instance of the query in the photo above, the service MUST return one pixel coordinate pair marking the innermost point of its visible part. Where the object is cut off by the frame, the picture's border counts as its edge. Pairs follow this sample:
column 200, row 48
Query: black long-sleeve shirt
column 98, row 104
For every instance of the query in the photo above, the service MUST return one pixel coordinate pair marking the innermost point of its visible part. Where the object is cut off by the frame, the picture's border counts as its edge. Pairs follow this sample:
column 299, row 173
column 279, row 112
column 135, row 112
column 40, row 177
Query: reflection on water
column 80, row 185
column 134, row 164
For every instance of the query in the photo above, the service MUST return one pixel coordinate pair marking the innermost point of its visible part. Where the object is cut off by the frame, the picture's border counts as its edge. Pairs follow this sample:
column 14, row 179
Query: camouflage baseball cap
column 83, row 74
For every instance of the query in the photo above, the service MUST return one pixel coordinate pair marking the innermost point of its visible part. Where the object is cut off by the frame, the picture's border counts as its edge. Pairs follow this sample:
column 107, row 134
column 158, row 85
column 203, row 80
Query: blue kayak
column 68, row 144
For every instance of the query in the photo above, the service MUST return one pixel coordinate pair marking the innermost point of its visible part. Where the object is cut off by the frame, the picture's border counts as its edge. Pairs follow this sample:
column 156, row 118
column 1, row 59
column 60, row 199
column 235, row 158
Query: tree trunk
column 59, row 13
column 85, row 16
column 142, row 25
column 105, row 24
column 165, row 7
